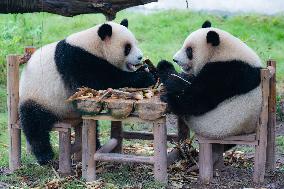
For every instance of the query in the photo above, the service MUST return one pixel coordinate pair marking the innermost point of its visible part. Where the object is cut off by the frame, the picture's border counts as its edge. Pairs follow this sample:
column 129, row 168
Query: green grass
column 160, row 35
column 3, row 140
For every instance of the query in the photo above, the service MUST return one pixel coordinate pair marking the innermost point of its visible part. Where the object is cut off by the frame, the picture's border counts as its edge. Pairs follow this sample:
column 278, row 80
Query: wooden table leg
column 116, row 132
column 205, row 162
column 88, row 149
column 65, row 151
column 160, row 152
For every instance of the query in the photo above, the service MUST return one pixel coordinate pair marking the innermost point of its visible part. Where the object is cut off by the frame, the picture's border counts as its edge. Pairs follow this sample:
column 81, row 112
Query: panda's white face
column 194, row 51
column 121, row 49
column 112, row 42
column 211, row 45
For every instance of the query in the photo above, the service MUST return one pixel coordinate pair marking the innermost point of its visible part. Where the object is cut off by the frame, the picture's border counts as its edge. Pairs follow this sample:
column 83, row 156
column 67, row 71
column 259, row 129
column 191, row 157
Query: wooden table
column 112, row 150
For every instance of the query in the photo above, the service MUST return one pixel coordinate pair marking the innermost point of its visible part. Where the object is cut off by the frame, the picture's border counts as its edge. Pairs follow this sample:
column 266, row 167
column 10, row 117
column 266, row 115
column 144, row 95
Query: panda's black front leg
column 138, row 79
column 177, row 87
column 178, row 96
column 165, row 70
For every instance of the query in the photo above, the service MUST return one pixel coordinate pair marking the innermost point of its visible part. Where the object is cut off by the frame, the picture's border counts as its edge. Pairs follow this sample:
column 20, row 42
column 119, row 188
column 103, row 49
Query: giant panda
column 218, row 93
column 104, row 56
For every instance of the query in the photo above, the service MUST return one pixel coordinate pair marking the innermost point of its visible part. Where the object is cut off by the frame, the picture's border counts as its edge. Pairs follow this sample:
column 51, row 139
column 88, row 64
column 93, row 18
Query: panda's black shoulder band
column 216, row 82
column 77, row 68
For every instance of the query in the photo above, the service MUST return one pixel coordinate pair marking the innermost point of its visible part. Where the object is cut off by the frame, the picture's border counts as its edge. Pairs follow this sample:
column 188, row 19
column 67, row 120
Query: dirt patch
column 236, row 174
column 232, row 177
column 280, row 129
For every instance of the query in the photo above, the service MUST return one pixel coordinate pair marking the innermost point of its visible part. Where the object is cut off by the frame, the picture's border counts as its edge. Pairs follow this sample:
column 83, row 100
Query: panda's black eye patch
column 189, row 53
column 127, row 49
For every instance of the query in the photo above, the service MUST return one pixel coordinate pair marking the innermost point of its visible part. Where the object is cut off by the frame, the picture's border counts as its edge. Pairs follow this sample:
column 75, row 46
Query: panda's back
column 41, row 82
column 234, row 116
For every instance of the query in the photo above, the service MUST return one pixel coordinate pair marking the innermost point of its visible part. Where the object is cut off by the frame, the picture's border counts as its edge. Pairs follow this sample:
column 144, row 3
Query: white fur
column 234, row 116
column 111, row 49
column 41, row 82
column 230, row 48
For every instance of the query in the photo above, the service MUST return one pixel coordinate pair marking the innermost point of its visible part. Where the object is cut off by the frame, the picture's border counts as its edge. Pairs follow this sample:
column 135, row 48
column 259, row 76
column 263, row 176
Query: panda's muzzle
column 185, row 67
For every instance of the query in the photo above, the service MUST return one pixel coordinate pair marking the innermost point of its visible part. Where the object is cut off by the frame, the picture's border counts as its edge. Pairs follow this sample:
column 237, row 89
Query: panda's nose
column 140, row 58
column 175, row 60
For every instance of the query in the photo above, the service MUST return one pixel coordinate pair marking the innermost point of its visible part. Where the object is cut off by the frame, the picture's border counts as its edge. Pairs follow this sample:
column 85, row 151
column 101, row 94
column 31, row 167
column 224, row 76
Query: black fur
column 36, row 122
column 213, row 38
column 165, row 69
column 127, row 49
column 216, row 82
column 80, row 68
column 189, row 53
column 206, row 24
column 104, row 31
column 124, row 22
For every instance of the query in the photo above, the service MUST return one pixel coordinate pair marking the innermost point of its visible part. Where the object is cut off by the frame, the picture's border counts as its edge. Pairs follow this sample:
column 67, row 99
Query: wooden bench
column 263, row 139
column 63, row 128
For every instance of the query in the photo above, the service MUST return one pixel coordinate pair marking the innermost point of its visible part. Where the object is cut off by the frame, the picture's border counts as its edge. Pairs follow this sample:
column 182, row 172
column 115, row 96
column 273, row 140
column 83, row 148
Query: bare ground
column 236, row 174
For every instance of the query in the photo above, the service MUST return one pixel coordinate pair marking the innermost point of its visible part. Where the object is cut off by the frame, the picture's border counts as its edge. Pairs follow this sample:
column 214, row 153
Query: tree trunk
column 69, row 7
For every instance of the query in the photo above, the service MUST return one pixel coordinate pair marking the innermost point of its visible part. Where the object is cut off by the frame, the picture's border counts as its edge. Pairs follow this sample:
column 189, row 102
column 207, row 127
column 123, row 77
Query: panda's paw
column 45, row 159
column 165, row 66
column 164, row 98
column 164, row 70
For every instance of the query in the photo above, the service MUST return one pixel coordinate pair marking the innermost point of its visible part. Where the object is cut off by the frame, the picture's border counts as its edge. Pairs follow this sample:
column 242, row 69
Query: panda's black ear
column 206, row 24
column 213, row 38
column 104, row 31
column 124, row 22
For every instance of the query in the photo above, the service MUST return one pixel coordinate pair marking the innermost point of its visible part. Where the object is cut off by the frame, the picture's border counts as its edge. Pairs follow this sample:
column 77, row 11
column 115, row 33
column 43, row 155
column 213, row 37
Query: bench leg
column 205, row 162
column 270, row 154
column 160, row 152
column 88, row 150
column 116, row 132
column 259, row 161
column 65, row 152
column 14, row 149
